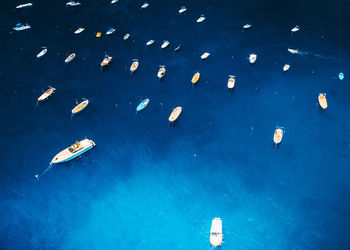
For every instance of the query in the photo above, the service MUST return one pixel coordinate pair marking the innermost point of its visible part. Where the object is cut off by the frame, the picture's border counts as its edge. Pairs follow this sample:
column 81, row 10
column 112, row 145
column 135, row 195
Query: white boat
column 150, row 42
column 110, row 31
column 293, row 51
column 278, row 135
column 80, row 106
column 20, row 27
column 78, row 31
column 126, row 37
column 175, row 114
column 145, row 5
column 72, row 3
column 286, row 67
column 322, row 100
column 24, row 5
column 114, row 1
column 295, row 29
column 134, row 65
column 182, row 10
column 161, row 72
column 231, row 82
column 70, row 58
column 252, row 58
column 216, row 232
column 41, row 53
column 165, row 44
column 201, row 19
column 46, row 94
column 247, row 26
column 106, row 60
column 73, row 151
column 205, row 55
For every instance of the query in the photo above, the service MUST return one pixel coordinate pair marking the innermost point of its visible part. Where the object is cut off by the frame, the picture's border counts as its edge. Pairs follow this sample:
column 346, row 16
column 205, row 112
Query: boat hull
column 65, row 155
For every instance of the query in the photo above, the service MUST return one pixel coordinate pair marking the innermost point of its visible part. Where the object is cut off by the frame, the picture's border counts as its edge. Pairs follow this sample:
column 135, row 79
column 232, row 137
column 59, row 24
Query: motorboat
column 175, row 114
column 142, row 105
column 341, row 76
column 201, row 19
column 79, row 30
column 24, row 5
column 177, row 48
column 114, row 1
column 126, row 36
column 80, row 106
column 205, row 55
column 322, row 100
column 165, row 44
column 41, row 53
column 231, row 82
column 247, row 26
column 110, row 31
column 46, row 94
column 277, row 137
column 195, row 78
column 286, row 67
column 161, row 72
column 73, row 151
column 134, row 65
column 216, row 232
column 293, row 51
column 70, row 58
column 20, row 27
column 106, row 61
column 145, row 5
column 98, row 34
column 73, row 3
column 182, row 10
column 150, row 42
column 252, row 58
column 295, row 29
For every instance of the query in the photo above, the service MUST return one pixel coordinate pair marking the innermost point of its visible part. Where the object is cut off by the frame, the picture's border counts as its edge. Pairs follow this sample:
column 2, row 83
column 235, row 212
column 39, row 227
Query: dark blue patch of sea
column 147, row 185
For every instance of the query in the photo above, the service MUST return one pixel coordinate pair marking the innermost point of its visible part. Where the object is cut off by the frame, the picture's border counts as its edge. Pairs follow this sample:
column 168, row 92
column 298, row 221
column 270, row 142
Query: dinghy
column 231, row 82
column 110, row 31
column 175, row 114
column 322, row 100
column 142, row 105
column 41, row 53
column 252, row 58
column 134, row 65
column 70, row 58
column 293, row 51
column 177, row 48
column 145, row 5
column 295, row 29
column 277, row 137
column 98, row 34
column 106, row 60
column 201, row 19
column 79, row 30
column 80, row 106
column 341, row 76
column 126, row 37
column 182, row 10
column 161, row 72
column 150, row 42
column 24, row 5
column 195, row 78
column 286, row 67
column 216, row 232
column 20, row 27
column 205, row 55
column 165, row 44
column 247, row 26
column 46, row 94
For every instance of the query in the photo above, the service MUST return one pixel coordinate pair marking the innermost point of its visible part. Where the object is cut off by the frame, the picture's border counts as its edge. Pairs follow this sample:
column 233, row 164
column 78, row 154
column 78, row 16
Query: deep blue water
column 150, row 186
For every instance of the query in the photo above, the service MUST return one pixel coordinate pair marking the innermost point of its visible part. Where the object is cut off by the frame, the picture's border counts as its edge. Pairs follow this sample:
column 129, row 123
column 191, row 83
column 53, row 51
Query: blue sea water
column 147, row 185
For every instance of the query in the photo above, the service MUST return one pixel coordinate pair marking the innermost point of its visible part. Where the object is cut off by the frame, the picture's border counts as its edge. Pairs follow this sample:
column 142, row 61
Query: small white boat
column 286, row 67
column 72, row 3
column 252, row 58
column 161, row 72
column 114, row 1
column 70, row 58
column 110, row 31
column 182, row 10
column 195, row 78
column 80, row 106
column 106, row 60
column 126, row 37
column 150, row 42
column 175, row 114
column 293, row 51
column 73, row 151
column 341, row 76
column 165, row 44
column 46, row 94
column 24, row 5
column 247, row 26
column 322, row 100
column 216, row 232
column 41, row 53
column 134, row 65
column 295, row 29
column 145, row 5
column 20, row 27
column 177, row 48
column 201, row 19
column 278, row 135
column 205, row 55
column 79, row 30
column 231, row 82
